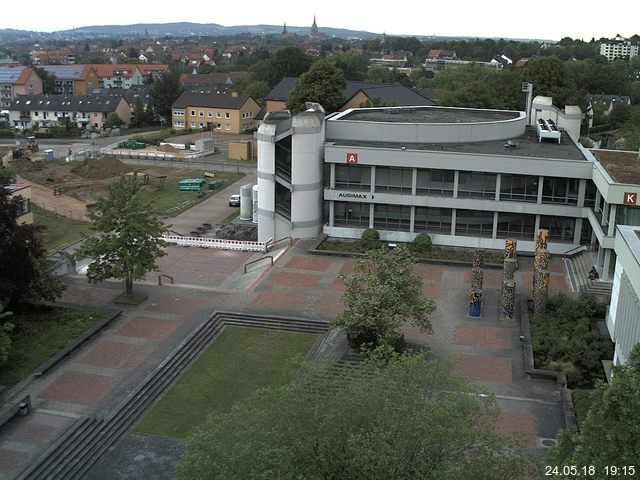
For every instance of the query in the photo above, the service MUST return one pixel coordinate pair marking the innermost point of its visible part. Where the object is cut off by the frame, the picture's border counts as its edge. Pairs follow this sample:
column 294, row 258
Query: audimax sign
column 356, row 196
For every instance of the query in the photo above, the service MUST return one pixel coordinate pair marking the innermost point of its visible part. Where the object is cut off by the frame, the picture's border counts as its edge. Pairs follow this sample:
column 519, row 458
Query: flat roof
column 622, row 167
column 424, row 114
column 526, row 145
column 631, row 236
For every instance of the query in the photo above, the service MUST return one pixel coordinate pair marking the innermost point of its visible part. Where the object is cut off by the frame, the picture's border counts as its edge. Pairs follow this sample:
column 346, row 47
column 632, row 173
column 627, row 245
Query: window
column 435, row 182
column 209, row 114
column 477, row 185
column 392, row 217
column 227, row 115
column 218, row 115
column 560, row 190
column 474, row 223
column 560, row 228
column 193, row 113
column 432, row 220
column 201, row 113
column 521, row 188
column 351, row 214
column 590, row 194
column 353, row 177
column 24, row 206
column 516, row 225
column 394, row 179
column 227, row 127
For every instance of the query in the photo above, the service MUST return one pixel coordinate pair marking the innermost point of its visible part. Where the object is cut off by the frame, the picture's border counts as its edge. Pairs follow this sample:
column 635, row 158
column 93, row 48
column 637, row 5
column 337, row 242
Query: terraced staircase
column 579, row 266
column 73, row 454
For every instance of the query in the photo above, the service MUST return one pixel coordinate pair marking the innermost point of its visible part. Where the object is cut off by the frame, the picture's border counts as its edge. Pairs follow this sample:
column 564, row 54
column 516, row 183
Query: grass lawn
column 170, row 200
column 39, row 333
column 237, row 363
column 60, row 231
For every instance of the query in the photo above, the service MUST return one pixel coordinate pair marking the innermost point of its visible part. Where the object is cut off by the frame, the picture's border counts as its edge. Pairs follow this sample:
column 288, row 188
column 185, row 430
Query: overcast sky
column 546, row 19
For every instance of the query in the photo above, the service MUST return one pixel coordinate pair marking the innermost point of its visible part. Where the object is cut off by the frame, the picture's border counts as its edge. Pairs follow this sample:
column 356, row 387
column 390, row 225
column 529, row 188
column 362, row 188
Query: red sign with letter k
column 630, row 198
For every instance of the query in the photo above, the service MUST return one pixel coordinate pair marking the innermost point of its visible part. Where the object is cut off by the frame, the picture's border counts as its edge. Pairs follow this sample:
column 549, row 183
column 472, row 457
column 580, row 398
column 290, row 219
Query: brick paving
column 150, row 328
column 482, row 336
column 94, row 379
column 484, row 368
column 79, row 387
column 116, row 355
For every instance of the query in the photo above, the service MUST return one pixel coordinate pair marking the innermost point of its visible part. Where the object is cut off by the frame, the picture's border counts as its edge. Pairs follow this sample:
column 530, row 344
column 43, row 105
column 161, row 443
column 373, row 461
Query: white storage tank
column 254, row 198
column 245, row 202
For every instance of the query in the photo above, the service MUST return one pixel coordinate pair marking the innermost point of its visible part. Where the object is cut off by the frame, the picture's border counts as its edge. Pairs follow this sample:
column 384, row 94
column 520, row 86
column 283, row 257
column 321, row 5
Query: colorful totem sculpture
column 475, row 302
column 541, row 292
column 508, row 299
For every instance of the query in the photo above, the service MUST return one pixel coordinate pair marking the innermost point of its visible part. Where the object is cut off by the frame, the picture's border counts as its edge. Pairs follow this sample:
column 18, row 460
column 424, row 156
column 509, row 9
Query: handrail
column 163, row 275
column 574, row 250
column 270, row 243
column 270, row 257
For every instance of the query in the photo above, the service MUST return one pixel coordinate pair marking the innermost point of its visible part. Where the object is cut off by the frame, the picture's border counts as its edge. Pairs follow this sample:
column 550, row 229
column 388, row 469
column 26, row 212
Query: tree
column 381, row 295
column 138, row 116
column 405, row 418
column 48, row 80
column 610, row 435
column 130, row 235
column 164, row 93
column 323, row 83
column 287, row 62
column 113, row 120
column 24, row 271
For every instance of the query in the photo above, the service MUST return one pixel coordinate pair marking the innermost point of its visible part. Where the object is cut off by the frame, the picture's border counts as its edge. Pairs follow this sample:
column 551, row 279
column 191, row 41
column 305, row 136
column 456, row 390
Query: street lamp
column 348, row 212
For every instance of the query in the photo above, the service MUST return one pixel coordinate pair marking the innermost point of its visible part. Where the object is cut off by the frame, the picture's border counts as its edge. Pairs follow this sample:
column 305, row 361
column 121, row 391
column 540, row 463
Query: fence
column 215, row 243
column 55, row 211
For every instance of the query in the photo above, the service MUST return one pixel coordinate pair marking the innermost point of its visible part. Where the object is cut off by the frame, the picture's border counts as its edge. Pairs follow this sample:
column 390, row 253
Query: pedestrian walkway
column 97, row 377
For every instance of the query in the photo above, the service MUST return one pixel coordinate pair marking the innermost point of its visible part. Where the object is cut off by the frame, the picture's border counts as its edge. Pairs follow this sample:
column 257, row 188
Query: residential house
column 355, row 94
column 89, row 112
column 501, row 60
column 209, row 80
column 18, row 80
column 119, row 75
column 73, row 79
column 212, row 111
column 607, row 103
column 153, row 70
column 23, row 191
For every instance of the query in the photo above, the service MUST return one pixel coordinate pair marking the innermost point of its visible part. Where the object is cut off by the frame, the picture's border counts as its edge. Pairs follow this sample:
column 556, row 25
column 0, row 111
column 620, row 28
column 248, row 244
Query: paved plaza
column 100, row 374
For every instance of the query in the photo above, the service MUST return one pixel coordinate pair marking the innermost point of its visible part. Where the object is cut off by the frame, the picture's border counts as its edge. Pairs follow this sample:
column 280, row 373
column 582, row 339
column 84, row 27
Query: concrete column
column 596, row 207
column 498, row 180
column 453, row 221
column 332, row 177
column 414, row 181
column 612, row 220
column 606, row 264
column 577, row 231
column 605, row 213
column 331, row 212
column 494, row 232
column 582, row 188
column 536, row 225
column 412, row 219
column 371, row 215
column 600, row 257
column 456, row 179
column 540, row 185
column 372, row 189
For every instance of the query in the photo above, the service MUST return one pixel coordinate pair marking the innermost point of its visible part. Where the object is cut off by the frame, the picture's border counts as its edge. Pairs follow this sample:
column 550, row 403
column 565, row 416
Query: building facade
column 619, row 47
column 467, row 177
column 18, row 80
column 73, row 79
column 23, row 192
column 623, row 317
column 211, row 111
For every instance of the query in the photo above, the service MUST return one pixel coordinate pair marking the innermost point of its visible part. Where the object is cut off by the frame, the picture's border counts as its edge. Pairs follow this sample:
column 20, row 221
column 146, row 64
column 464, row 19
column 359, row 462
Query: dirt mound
column 99, row 168
column 238, row 232
column 167, row 149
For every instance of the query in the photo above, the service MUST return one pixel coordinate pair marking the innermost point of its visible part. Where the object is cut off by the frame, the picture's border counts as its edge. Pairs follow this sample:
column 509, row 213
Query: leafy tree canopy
column 610, row 435
column 130, row 235
column 381, row 295
column 407, row 418
column 164, row 92
column 323, row 83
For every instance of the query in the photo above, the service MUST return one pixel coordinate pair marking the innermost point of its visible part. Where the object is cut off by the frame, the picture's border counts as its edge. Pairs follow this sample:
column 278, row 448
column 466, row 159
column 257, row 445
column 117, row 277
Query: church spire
column 314, row 26
column 284, row 30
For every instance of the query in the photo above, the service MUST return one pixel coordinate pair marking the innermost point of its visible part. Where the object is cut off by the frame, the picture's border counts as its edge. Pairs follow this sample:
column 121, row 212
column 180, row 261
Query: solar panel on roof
column 10, row 75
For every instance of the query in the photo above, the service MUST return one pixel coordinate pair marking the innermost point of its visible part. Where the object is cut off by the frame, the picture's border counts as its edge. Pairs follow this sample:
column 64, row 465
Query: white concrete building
column 623, row 318
column 619, row 47
column 467, row 177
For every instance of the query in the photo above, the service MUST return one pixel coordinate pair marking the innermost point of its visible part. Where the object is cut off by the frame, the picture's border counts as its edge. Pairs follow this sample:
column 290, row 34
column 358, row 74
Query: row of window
column 468, row 223
column 522, row 188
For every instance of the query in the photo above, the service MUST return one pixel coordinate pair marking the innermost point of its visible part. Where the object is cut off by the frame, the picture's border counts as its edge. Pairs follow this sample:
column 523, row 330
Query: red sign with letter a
column 352, row 158
column 630, row 198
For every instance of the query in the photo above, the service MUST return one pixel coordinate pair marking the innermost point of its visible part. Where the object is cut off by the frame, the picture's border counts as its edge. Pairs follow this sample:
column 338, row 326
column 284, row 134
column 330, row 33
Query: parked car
column 234, row 201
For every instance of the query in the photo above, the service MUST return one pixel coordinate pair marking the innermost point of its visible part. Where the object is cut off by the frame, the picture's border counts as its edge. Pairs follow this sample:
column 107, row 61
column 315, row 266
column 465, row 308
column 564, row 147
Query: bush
column 370, row 239
column 421, row 244
column 563, row 339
